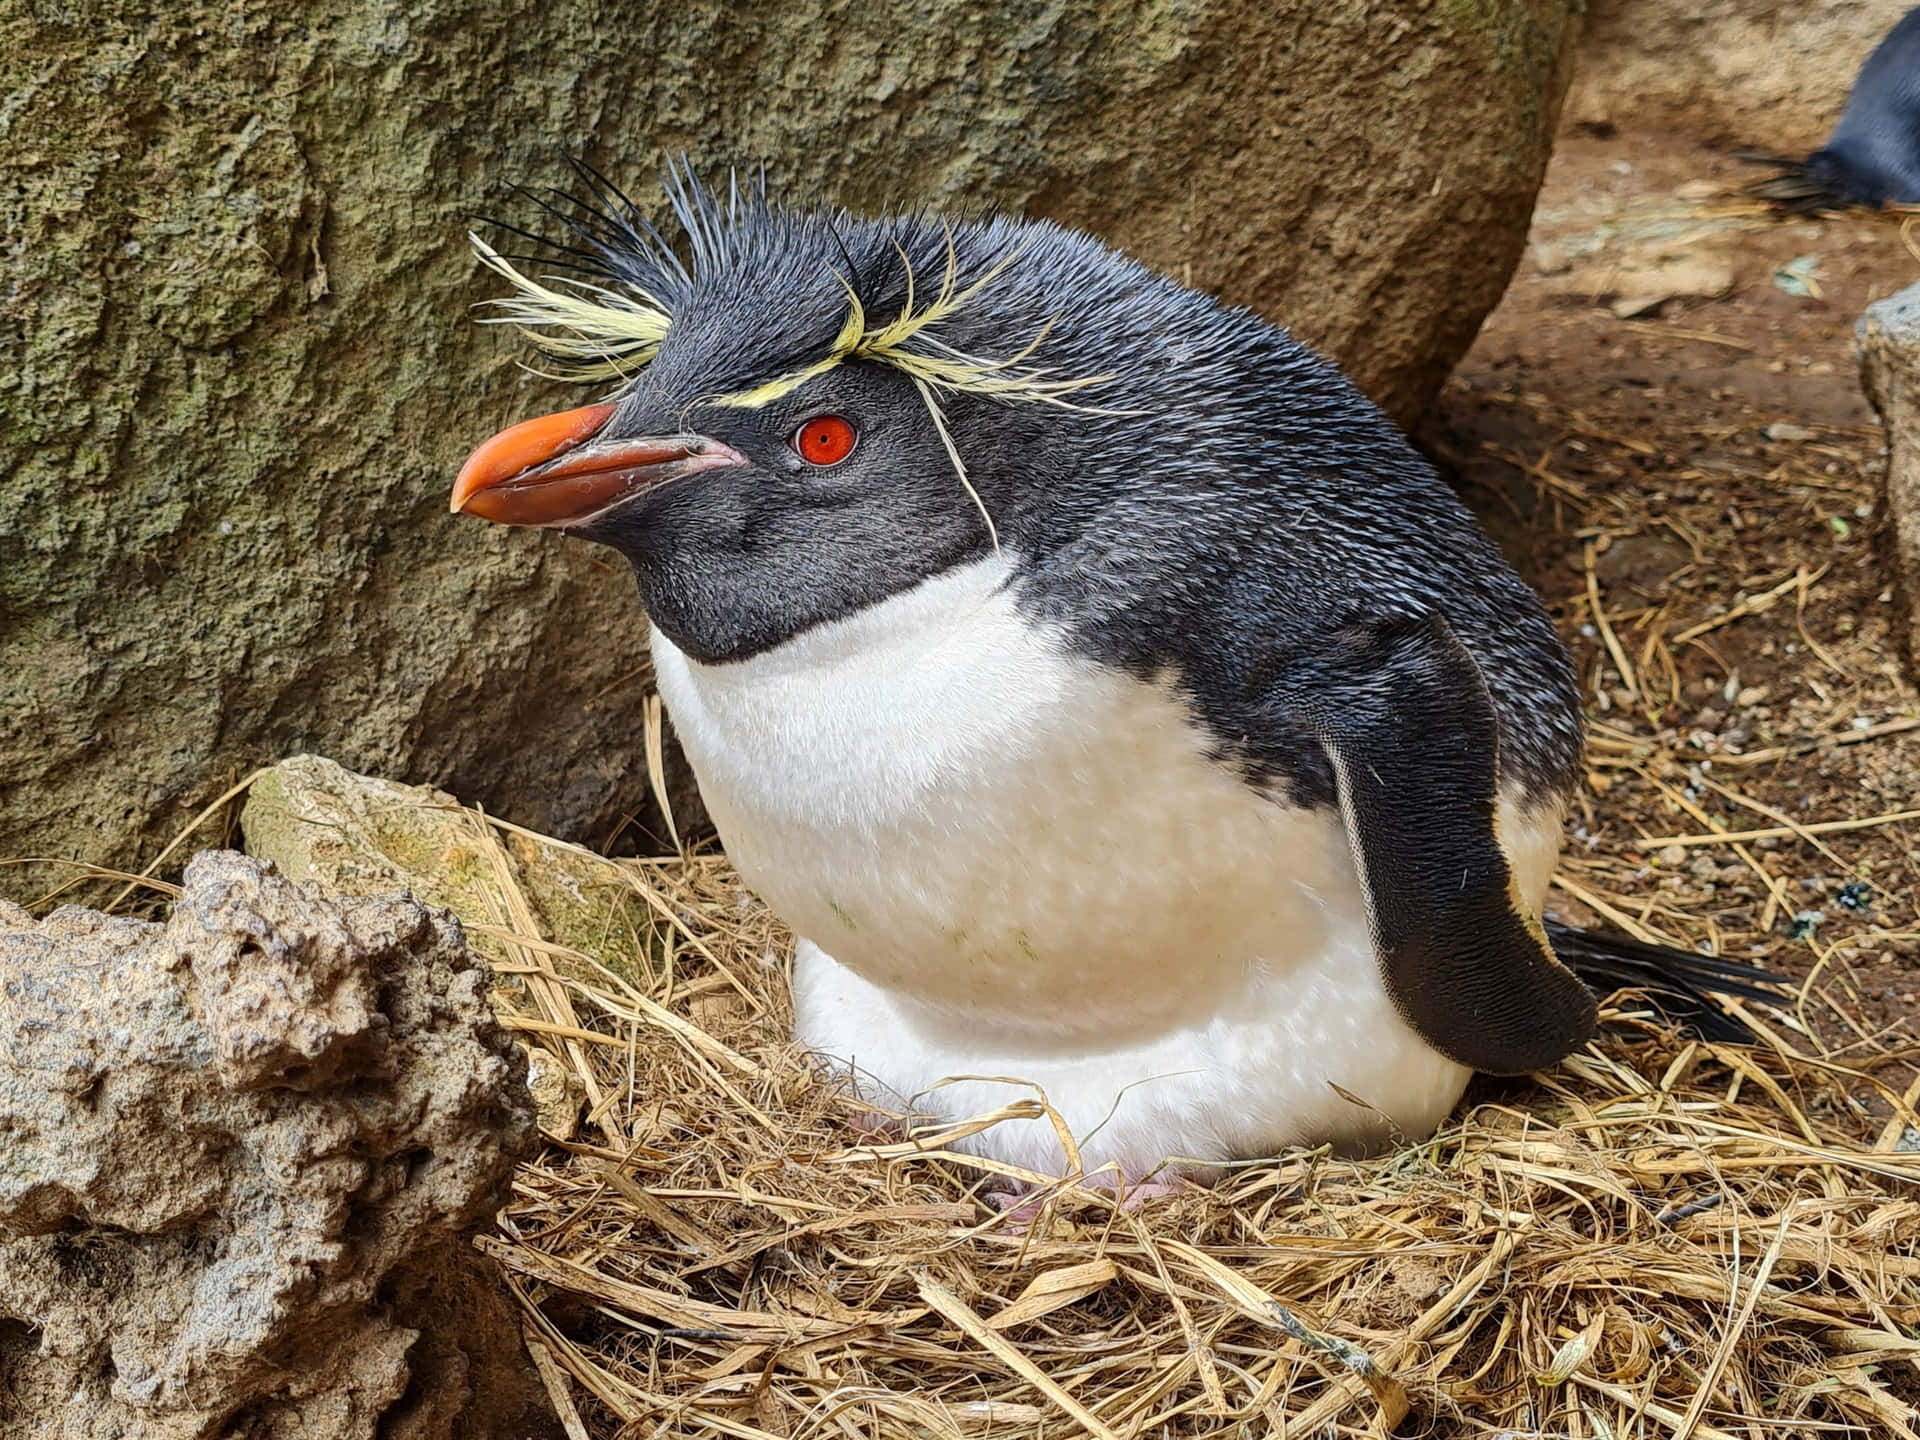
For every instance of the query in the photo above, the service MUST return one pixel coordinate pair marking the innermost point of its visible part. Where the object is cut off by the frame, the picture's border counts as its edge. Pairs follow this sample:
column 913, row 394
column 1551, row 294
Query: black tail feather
column 1793, row 191
column 1822, row 183
column 1680, row 983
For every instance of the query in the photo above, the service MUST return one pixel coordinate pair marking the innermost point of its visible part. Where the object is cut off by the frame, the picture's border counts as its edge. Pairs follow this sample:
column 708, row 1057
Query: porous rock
column 242, row 1155
column 1889, row 342
column 239, row 369
column 361, row 835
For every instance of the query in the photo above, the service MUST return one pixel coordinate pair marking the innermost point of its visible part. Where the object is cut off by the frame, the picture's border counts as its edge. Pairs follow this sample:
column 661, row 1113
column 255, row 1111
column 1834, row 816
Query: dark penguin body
column 1100, row 686
column 1872, row 158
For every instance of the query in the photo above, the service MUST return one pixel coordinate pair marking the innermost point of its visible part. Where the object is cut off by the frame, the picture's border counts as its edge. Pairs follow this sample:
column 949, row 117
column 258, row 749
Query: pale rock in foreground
column 361, row 835
column 242, row 1157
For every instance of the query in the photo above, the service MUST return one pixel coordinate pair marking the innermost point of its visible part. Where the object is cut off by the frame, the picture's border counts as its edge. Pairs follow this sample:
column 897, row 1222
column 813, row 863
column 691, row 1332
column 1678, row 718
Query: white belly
column 1015, row 862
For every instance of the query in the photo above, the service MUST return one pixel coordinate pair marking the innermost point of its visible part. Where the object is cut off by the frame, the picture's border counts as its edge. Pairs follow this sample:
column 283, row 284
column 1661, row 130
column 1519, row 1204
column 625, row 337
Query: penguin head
column 814, row 411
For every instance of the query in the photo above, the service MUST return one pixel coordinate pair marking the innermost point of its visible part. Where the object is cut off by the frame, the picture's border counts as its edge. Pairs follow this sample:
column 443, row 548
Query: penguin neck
column 893, row 635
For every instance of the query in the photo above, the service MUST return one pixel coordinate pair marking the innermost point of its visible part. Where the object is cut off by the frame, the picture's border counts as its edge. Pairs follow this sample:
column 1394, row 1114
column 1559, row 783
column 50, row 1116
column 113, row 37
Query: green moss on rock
column 355, row 835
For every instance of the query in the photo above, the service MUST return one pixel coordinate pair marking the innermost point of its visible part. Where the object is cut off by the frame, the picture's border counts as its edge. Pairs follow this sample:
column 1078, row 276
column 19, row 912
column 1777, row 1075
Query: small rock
column 1781, row 430
column 1673, row 855
column 1550, row 258
column 271, row 1127
column 1643, row 283
column 358, row 835
column 1645, row 287
column 558, row 1095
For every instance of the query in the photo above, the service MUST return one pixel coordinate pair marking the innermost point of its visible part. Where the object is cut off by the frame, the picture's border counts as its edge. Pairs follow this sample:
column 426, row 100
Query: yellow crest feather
column 595, row 333
column 949, row 369
column 600, row 334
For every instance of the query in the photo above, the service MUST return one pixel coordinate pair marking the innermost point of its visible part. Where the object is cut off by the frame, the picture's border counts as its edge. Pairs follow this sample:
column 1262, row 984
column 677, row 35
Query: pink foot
column 872, row 1127
column 1021, row 1204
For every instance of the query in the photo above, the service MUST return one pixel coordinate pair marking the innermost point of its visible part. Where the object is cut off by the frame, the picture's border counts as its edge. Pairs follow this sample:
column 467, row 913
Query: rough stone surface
column 237, row 369
column 1889, row 341
column 1772, row 74
column 241, row 1157
column 358, row 835
column 558, row 1095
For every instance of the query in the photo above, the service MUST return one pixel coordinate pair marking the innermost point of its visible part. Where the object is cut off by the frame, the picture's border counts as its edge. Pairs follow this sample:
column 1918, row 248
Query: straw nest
column 1659, row 1237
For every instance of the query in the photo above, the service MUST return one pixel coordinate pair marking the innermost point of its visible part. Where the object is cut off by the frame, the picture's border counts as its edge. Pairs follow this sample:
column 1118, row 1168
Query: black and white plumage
column 1130, row 710
column 1872, row 158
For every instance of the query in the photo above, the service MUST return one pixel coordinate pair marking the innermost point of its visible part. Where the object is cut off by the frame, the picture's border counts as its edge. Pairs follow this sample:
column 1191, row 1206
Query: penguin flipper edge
column 1413, row 742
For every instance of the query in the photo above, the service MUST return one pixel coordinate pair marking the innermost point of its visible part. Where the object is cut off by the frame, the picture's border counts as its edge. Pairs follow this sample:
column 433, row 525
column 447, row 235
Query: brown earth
column 1662, row 470
column 1768, row 73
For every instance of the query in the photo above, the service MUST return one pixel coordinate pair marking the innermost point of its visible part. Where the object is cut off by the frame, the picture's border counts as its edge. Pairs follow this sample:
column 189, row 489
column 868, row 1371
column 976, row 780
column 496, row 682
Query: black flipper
column 1402, row 712
column 1680, row 983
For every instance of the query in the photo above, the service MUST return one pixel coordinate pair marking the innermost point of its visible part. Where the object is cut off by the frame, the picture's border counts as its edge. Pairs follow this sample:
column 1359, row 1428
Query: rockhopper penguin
column 1102, row 688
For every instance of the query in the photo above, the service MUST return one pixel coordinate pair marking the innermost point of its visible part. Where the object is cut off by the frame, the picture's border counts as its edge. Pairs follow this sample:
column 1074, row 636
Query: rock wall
column 1772, row 74
column 237, row 367
column 242, row 1155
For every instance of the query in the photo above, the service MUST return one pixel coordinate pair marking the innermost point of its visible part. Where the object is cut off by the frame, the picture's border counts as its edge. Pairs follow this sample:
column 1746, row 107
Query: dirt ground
column 1691, row 483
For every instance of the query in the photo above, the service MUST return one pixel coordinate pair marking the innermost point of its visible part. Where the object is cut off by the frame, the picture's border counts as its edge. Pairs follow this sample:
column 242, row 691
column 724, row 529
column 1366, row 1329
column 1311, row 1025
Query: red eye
column 825, row 440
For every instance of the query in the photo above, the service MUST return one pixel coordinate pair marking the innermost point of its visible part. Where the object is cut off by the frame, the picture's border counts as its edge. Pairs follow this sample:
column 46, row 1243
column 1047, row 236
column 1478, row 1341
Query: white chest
column 960, row 811
column 1010, row 861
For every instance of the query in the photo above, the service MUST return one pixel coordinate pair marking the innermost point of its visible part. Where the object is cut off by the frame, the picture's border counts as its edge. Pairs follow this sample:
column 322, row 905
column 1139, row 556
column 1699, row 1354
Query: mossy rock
column 356, row 835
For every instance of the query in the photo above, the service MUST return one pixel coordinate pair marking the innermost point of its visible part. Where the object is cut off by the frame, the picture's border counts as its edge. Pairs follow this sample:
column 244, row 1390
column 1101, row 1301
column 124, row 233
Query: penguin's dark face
column 746, row 525
column 831, row 498
column 771, row 467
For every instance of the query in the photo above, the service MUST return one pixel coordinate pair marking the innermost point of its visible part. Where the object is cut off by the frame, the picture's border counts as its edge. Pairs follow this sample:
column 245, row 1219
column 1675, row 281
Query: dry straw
column 1657, row 1238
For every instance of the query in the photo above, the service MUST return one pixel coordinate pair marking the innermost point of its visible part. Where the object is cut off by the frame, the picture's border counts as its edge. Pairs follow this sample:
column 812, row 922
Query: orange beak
column 552, row 472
